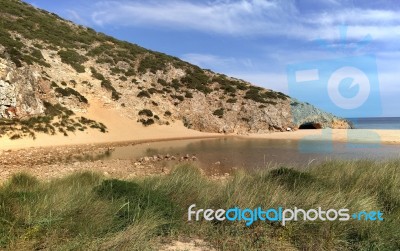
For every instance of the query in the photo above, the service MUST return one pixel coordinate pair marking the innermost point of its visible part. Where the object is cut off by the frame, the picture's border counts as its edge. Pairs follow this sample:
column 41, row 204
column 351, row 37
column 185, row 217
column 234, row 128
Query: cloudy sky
column 261, row 40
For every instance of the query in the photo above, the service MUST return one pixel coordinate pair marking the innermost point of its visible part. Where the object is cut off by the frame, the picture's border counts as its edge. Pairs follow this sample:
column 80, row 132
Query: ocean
column 387, row 123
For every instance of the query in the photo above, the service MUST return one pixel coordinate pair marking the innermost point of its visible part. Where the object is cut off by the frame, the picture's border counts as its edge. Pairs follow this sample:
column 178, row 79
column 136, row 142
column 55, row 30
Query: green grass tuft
column 87, row 211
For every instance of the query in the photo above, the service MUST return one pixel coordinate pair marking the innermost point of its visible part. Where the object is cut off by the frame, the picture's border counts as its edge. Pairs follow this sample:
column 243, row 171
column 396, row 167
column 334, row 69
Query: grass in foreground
column 85, row 211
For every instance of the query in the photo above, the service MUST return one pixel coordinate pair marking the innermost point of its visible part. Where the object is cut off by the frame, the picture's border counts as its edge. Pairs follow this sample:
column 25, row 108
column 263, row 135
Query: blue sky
column 256, row 40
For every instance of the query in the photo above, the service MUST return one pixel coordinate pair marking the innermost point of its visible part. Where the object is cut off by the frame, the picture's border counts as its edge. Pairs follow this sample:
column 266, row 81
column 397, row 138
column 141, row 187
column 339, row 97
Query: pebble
column 159, row 157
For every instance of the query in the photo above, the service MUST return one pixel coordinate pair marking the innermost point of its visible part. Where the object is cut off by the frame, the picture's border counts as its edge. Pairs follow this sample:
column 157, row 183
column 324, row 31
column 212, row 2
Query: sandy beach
column 131, row 132
column 120, row 129
column 124, row 130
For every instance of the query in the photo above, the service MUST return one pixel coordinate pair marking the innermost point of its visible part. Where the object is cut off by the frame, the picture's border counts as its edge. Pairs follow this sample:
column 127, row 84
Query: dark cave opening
column 310, row 125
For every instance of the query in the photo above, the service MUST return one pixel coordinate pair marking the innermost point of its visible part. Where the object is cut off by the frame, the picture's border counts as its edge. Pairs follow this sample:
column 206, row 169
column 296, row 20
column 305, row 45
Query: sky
column 297, row 47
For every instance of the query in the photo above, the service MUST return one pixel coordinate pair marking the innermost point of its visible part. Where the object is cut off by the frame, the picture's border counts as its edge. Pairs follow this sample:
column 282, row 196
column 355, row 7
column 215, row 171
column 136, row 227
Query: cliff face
column 307, row 114
column 20, row 88
column 50, row 60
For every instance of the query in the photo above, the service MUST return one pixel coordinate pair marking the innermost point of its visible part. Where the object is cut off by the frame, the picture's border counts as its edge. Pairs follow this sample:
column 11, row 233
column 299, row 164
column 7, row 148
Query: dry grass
column 87, row 211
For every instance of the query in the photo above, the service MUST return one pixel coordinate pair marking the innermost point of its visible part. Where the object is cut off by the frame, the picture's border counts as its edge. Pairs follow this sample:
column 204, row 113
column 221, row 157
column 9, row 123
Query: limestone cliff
column 20, row 88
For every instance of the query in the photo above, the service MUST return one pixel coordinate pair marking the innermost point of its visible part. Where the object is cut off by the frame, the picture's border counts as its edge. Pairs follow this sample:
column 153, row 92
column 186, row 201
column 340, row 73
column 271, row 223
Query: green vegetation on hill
column 219, row 112
column 152, row 63
column 57, row 119
column 143, row 94
column 106, row 84
column 145, row 112
column 31, row 36
column 89, row 212
column 263, row 96
column 65, row 92
column 74, row 59
column 229, row 86
column 196, row 79
column 76, row 44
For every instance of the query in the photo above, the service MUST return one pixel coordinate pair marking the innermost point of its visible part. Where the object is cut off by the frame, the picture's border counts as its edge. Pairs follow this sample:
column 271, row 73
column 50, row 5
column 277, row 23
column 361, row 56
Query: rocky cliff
column 48, row 61
column 20, row 88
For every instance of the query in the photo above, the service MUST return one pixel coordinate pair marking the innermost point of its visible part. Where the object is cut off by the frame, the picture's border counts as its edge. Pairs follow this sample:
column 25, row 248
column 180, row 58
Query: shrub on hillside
column 151, row 63
column 146, row 112
column 178, row 97
column 188, row 95
column 196, row 79
column 143, row 94
column 219, row 112
column 106, row 84
column 162, row 82
column 147, row 122
column 73, row 58
column 65, row 92
column 97, row 75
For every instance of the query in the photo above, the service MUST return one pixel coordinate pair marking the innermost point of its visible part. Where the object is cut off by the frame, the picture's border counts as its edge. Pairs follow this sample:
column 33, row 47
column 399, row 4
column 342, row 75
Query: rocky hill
column 51, row 69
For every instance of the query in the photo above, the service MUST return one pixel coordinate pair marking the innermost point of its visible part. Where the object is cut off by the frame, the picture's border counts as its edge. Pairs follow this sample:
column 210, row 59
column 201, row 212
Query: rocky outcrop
column 307, row 114
column 8, row 98
column 251, row 117
column 239, row 118
column 20, row 90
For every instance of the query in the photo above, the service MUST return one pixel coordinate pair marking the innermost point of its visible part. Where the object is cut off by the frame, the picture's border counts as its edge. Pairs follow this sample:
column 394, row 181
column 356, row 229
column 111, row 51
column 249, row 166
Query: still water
column 235, row 152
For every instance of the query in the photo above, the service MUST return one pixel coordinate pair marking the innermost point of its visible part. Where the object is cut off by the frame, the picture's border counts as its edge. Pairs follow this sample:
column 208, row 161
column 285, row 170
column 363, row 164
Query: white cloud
column 207, row 60
column 249, row 17
column 273, row 81
column 75, row 17
column 358, row 32
column 34, row 4
column 243, row 17
column 358, row 16
column 217, row 62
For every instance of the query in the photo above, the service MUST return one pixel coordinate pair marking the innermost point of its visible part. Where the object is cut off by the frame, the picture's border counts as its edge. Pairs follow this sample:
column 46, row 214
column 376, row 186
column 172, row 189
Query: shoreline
column 367, row 136
column 125, row 131
column 49, row 161
column 362, row 136
column 111, row 144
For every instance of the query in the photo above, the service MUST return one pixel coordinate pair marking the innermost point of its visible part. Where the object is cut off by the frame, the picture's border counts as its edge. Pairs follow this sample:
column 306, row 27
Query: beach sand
column 122, row 129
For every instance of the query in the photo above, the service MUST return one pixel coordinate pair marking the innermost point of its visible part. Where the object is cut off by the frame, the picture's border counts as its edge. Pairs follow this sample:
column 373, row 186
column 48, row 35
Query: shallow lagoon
column 236, row 152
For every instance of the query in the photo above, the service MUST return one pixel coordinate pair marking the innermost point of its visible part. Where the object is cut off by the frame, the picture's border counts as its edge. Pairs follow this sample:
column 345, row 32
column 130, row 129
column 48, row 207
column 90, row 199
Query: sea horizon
column 385, row 123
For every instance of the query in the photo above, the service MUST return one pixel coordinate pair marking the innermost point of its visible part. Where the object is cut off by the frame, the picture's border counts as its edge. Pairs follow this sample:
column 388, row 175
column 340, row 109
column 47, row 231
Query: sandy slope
column 123, row 129
column 120, row 129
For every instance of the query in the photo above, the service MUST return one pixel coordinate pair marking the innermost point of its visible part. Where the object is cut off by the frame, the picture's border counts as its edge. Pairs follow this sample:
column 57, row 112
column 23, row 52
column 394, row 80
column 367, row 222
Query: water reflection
column 254, row 153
